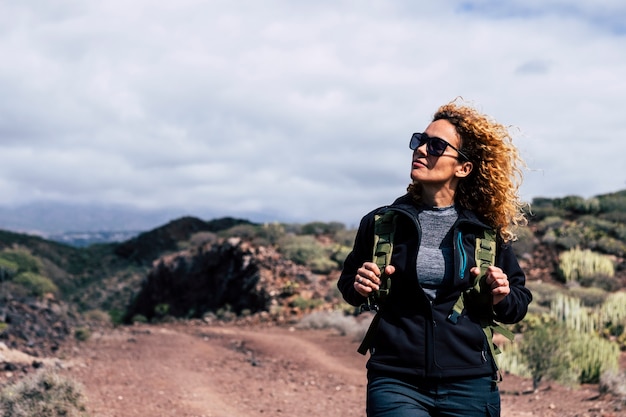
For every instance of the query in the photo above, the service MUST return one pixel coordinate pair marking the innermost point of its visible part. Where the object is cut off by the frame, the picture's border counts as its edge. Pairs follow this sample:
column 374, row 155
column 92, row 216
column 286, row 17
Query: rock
column 227, row 279
column 36, row 327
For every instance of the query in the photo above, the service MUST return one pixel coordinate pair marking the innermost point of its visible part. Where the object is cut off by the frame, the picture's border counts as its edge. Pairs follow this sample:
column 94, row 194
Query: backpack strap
column 384, row 231
column 485, row 255
column 480, row 294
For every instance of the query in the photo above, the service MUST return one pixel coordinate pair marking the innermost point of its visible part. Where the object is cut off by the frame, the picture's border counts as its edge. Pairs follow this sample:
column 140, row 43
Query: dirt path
column 195, row 370
column 219, row 372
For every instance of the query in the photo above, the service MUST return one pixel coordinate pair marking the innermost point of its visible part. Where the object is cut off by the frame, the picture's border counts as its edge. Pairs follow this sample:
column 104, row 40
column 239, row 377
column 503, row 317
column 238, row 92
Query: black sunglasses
column 434, row 146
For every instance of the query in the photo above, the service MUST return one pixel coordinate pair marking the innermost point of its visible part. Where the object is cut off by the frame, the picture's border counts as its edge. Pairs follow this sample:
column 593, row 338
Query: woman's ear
column 464, row 169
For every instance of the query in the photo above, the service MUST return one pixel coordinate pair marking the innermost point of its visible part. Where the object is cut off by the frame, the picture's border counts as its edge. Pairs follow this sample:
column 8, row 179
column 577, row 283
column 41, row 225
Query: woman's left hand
column 497, row 280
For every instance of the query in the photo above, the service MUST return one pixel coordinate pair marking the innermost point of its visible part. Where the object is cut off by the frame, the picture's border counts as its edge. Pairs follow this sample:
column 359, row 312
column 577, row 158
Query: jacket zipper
column 462, row 255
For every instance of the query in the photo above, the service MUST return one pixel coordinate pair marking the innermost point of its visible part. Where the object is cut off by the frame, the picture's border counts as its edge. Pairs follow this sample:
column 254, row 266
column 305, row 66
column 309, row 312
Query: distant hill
column 53, row 219
column 147, row 247
column 66, row 221
column 83, row 239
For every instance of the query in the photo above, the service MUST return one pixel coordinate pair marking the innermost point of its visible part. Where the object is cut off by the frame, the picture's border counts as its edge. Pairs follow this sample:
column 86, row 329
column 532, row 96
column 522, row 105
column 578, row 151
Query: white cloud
column 299, row 110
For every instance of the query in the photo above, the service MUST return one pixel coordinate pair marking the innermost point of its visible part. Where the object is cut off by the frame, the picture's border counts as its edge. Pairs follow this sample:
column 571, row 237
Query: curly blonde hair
column 492, row 189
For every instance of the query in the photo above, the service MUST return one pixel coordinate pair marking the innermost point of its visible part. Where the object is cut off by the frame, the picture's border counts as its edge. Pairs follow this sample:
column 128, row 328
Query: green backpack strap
column 384, row 230
column 485, row 255
column 480, row 293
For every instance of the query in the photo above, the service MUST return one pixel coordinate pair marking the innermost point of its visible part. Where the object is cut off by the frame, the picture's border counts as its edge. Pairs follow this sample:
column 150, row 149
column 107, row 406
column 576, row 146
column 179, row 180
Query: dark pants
column 406, row 397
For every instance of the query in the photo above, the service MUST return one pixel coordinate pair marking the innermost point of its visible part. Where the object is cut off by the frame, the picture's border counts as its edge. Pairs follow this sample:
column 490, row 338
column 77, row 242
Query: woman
column 465, row 178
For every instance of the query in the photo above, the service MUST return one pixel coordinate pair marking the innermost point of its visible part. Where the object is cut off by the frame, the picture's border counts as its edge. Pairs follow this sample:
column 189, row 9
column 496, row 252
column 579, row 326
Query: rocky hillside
column 230, row 278
column 232, row 269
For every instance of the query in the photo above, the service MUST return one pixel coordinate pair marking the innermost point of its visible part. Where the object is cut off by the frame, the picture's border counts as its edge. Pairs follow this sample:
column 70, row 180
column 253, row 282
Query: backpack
column 477, row 295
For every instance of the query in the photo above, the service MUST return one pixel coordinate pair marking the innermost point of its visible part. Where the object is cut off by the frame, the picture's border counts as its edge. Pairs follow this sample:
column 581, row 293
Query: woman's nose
column 422, row 149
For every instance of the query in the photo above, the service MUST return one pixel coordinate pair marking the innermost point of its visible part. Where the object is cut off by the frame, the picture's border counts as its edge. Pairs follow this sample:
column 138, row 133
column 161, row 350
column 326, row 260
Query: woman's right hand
column 367, row 278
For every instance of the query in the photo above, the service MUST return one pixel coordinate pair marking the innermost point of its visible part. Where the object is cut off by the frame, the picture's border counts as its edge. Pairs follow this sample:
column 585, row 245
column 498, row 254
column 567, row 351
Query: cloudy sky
column 296, row 110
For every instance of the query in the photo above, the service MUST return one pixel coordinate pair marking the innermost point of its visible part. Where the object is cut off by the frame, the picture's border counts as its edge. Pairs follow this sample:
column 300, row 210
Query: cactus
column 577, row 264
column 571, row 312
column 513, row 361
column 592, row 356
column 613, row 310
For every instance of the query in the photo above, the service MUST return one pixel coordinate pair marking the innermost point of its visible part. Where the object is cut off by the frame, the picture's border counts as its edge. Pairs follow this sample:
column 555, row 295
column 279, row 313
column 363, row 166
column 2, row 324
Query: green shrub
column 532, row 321
column 589, row 296
column 322, row 265
column 82, row 333
column 262, row 235
column 139, row 318
column 202, row 238
column 616, row 332
column 97, row 316
column 614, row 216
column 339, row 254
column 608, row 284
column 573, row 235
column 611, row 245
column 569, row 346
column 345, row 237
column 306, row 303
column 598, row 224
column 162, row 309
column 550, row 223
column 289, row 288
column 345, row 324
column 327, row 320
column 579, row 205
column 592, row 355
column 271, row 232
column 244, row 231
column 613, row 382
column 615, row 202
column 549, row 238
column 545, row 353
column 117, row 316
column 542, row 208
column 542, row 202
column 8, row 269
column 301, row 249
column 45, row 394
column 544, row 292
column 620, row 231
column 36, row 285
column 320, row 228
column 24, row 260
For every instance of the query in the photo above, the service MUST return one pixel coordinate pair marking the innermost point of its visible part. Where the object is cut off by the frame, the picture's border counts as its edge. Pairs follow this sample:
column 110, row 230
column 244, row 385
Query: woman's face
column 437, row 171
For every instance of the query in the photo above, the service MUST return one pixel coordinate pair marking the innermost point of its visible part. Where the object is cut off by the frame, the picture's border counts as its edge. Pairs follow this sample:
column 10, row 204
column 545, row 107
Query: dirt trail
column 219, row 372
column 196, row 370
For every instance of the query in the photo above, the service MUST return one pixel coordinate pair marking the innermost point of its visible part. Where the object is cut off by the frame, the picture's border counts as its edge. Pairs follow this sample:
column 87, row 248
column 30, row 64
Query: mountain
column 52, row 219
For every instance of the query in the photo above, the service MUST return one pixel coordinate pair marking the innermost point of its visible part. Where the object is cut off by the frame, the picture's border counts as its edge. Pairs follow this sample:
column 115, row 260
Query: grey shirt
column 435, row 258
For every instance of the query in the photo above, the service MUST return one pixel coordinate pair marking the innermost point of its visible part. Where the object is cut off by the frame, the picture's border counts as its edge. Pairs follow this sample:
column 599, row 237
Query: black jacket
column 414, row 336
